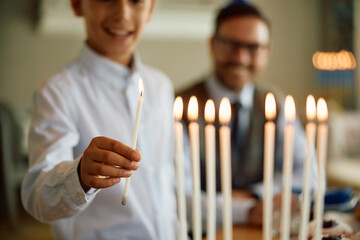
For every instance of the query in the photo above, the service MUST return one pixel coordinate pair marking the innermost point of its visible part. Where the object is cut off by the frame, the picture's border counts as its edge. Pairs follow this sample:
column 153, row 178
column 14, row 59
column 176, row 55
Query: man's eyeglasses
column 231, row 46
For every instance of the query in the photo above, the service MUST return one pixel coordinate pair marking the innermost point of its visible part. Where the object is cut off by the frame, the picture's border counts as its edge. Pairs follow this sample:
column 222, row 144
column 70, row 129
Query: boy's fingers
column 110, row 158
column 118, row 147
column 107, row 170
column 100, row 182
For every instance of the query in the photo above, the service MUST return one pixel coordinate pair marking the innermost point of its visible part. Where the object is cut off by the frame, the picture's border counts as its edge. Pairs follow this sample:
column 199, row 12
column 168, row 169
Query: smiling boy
column 81, row 129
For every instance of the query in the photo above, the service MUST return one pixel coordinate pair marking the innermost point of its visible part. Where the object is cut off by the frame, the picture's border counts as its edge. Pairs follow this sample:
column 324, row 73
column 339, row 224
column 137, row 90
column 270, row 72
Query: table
column 242, row 232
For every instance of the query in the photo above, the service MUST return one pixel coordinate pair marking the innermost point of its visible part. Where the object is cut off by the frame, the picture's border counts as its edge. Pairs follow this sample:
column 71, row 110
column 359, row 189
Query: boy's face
column 114, row 26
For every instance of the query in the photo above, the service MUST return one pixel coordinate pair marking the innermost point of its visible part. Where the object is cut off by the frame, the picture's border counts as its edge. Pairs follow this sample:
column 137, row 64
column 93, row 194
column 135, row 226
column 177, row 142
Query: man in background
column 240, row 50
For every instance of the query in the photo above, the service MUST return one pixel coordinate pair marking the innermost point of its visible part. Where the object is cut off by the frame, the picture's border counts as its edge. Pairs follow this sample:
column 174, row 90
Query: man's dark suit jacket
column 250, row 166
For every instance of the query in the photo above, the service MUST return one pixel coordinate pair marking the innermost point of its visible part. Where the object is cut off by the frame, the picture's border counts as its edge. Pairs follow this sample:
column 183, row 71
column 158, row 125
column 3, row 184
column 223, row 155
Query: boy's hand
column 105, row 161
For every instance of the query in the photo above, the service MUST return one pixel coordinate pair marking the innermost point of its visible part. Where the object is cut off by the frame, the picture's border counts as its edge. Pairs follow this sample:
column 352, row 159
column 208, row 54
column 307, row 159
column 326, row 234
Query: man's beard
column 237, row 66
column 234, row 75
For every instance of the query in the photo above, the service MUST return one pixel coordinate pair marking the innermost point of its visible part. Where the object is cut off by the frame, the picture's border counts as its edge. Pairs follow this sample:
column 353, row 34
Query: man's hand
column 242, row 194
column 105, row 161
column 255, row 213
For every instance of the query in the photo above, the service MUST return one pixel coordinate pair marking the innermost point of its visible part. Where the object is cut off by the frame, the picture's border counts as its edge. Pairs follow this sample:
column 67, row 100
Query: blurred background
column 38, row 36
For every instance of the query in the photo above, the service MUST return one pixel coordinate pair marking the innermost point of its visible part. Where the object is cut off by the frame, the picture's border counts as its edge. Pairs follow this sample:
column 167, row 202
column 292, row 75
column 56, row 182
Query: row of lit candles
column 225, row 161
column 225, row 165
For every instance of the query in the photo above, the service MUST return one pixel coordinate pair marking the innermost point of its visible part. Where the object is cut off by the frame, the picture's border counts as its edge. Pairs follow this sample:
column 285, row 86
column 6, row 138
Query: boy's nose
column 122, row 10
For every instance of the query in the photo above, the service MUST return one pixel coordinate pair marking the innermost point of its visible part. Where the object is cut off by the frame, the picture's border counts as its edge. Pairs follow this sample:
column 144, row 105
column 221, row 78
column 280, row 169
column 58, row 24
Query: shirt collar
column 218, row 91
column 109, row 71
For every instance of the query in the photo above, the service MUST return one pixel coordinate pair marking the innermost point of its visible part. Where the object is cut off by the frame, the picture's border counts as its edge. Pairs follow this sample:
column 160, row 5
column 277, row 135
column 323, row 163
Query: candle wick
column 141, row 94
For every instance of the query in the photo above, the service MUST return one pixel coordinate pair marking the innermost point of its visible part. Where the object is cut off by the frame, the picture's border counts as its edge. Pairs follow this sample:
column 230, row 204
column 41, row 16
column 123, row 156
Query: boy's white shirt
column 93, row 97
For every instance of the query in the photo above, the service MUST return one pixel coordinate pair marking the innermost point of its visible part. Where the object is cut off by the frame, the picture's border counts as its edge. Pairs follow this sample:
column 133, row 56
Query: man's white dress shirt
column 91, row 97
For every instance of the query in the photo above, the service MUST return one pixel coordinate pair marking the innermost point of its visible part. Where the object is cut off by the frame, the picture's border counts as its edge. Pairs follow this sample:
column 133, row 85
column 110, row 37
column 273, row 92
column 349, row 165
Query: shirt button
column 80, row 196
column 64, row 209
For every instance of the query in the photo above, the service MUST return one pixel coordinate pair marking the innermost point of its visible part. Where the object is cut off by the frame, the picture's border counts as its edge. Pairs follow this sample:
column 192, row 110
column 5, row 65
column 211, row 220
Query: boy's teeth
column 119, row 32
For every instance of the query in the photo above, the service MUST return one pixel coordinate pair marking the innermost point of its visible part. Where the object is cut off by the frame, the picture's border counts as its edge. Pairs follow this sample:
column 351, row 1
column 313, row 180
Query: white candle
column 195, row 160
column 290, row 115
column 181, row 198
column 322, row 115
column 210, row 151
column 225, row 164
column 310, row 140
column 269, row 143
column 134, row 136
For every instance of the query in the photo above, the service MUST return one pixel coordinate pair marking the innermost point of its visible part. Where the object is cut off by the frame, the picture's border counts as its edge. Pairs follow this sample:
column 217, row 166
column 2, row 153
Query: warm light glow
column 225, row 111
column 310, row 108
column 353, row 61
column 270, row 106
column 290, row 112
column 344, row 59
column 210, row 111
column 322, row 111
column 141, row 87
column 178, row 108
column 331, row 61
column 315, row 59
column 193, row 110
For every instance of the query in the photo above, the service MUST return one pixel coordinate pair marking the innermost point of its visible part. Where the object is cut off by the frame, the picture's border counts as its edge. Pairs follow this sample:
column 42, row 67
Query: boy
column 82, row 126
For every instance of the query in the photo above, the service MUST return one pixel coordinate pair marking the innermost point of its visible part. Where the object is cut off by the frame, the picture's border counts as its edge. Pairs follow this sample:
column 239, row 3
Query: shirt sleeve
column 299, row 153
column 240, row 208
column 51, row 189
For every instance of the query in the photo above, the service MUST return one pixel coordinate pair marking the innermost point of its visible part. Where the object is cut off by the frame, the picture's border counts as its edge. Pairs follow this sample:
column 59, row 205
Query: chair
column 343, row 165
column 13, row 162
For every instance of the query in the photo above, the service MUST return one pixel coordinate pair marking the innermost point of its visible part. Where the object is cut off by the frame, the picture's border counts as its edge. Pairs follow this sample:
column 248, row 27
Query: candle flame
column 193, row 110
column 178, row 108
column 141, row 87
column 290, row 112
column 310, row 108
column 210, row 111
column 322, row 111
column 225, row 111
column 270, row 106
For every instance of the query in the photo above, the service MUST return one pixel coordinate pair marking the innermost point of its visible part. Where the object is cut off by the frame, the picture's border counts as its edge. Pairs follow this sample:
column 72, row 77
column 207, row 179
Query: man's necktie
column 235, row 130
column 235, row 107
column 237, row 145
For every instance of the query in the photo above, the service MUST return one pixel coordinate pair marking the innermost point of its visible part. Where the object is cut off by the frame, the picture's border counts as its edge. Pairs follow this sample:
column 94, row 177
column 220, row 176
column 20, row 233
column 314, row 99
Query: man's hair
column 238, row 8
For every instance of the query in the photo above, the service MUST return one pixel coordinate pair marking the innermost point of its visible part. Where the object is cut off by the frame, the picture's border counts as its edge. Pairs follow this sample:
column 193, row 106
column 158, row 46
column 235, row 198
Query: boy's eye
column 132, row 1
column 137, row 1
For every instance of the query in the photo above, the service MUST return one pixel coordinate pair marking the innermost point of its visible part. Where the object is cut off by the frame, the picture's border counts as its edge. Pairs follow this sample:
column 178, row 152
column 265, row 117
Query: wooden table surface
column 242, row 232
